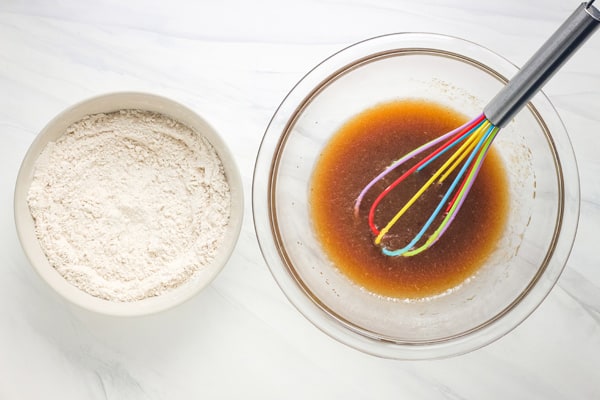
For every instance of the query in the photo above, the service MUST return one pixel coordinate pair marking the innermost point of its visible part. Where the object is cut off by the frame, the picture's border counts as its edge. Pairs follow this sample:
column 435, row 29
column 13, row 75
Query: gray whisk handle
column 544, row 63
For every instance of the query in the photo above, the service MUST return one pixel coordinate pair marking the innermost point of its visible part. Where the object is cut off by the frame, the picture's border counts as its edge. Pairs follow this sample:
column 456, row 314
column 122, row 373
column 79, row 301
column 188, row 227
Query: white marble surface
column 233, row 62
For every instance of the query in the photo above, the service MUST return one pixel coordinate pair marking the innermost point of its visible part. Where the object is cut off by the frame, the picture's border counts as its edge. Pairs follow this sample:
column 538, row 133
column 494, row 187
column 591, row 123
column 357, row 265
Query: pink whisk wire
column 478, row 150
column 400, row 161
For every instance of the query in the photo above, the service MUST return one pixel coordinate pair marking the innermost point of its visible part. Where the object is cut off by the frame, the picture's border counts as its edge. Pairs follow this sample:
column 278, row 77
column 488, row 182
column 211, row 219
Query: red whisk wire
column 433, row 154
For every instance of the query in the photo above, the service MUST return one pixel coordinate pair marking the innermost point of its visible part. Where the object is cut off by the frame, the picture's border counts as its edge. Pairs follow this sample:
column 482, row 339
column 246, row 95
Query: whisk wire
column 459, row 136
column 464, row 128
column 463, row 152
column 485, row 133
column 455, row 204
column 468, row 130
column 466, row 184
column 447, row 167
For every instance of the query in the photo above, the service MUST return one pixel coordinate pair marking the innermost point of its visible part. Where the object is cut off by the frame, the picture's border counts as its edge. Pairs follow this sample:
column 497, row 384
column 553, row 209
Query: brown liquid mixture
column 357, row 153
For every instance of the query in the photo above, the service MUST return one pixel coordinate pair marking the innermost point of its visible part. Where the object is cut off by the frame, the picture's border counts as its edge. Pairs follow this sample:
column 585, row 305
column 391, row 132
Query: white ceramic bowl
column 104, row 104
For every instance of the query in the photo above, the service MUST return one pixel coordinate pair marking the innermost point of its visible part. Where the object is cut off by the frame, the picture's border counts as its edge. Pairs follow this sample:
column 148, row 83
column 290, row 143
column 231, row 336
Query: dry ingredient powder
column 129, row 204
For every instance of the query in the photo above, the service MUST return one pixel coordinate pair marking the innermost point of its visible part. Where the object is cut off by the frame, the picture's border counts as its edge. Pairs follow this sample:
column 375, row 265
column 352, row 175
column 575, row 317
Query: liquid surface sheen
column 358, row 152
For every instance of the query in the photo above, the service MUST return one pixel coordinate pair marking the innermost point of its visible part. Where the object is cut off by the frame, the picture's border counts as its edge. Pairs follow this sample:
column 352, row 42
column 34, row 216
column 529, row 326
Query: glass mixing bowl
column 543, row 204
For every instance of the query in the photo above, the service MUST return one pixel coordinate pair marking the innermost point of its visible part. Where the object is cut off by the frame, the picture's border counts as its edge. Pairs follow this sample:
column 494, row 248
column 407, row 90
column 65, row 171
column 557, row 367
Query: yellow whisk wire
column 473, row 139
column 399, row 214
column 449, row 216
column 449, row 166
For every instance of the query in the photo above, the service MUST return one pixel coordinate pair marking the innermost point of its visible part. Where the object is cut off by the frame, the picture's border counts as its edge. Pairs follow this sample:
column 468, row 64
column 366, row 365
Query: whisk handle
column 544, row 63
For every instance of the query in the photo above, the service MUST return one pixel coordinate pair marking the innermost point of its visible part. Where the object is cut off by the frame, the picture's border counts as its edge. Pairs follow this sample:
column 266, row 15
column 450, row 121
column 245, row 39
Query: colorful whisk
column 472, row 141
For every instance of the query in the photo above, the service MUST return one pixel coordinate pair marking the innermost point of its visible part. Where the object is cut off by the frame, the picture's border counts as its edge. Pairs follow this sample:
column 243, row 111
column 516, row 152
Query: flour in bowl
column 130, row 204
